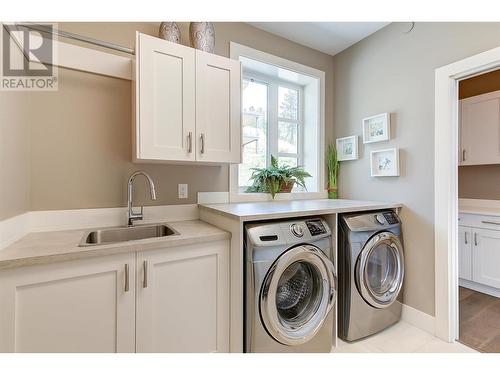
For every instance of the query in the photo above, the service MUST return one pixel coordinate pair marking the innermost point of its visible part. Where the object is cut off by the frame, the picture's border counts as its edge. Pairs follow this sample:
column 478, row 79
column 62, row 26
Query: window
column 271, row 125
column 282, row 116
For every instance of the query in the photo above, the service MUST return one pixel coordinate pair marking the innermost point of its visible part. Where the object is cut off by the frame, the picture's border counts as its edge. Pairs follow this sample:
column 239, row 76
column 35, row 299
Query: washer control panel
column 316, row 227
column 391, row 217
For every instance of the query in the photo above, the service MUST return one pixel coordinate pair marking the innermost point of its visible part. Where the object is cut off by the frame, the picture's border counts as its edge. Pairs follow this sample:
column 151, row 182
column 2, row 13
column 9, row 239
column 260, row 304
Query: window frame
column 273, row 119
column 235, row 193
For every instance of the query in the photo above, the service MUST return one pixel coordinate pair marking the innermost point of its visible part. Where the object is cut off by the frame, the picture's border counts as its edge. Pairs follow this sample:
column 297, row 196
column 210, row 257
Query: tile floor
column 479, row 317
column 402, row 338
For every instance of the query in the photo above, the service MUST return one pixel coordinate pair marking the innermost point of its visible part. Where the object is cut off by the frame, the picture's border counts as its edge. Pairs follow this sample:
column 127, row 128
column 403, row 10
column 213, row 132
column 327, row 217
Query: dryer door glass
column 380, row 270
column 297, row 294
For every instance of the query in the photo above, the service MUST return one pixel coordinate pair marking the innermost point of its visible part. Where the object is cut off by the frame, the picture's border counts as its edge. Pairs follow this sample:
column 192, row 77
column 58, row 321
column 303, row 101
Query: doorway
column 446, row 138
column 479, row 211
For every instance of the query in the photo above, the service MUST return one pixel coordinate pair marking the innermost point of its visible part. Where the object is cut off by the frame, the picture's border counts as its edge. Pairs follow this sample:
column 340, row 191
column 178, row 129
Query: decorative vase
column 333, row 193
column 202, row 36
column 170, row 31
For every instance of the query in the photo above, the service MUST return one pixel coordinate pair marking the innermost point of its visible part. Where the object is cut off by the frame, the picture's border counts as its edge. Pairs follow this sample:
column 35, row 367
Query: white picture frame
column 347, row 148
column 377, row 128
column 384, row 163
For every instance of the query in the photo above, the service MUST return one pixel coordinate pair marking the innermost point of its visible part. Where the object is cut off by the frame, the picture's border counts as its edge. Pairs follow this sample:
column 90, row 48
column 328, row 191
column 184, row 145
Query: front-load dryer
column 290, row 286
column 371, row 273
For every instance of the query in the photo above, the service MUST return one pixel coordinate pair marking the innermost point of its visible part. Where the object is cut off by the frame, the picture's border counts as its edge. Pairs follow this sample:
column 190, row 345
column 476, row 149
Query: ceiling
column 327, row 37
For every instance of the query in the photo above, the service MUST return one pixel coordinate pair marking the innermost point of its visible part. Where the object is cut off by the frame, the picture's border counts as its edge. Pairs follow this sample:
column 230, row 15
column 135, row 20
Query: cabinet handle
column 127, row 283
column 202, row 140
column 475, row 239
column 490, row 222
column 190, row 142
column 463, row 154
column 145, row 279
column 466, row 241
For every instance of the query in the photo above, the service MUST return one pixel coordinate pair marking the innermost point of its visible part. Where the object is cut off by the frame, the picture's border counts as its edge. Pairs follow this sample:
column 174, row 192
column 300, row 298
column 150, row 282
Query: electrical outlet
column 183, row 191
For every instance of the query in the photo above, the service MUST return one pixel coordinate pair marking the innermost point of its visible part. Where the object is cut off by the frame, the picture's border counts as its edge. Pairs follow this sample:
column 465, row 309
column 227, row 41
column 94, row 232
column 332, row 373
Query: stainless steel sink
column 122, row 234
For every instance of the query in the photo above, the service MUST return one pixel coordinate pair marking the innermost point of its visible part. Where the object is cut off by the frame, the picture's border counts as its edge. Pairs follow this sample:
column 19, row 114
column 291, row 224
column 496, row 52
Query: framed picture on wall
column 347, row 148
column 385, row 163
column 377, row 128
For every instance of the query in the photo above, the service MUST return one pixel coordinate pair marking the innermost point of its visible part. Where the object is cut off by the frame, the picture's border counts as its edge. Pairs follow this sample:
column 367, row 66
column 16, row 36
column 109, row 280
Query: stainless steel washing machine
column 371, row 273
column 290, row 286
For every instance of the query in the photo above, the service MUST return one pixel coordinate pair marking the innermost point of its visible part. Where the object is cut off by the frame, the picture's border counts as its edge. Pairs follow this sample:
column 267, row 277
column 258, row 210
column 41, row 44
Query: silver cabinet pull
column 202, row 140
column 490, row 222
column 463, row 154
column 475, row 239
column 466, row 242
column 145, row 279
column 127, row 278
column 190, row 142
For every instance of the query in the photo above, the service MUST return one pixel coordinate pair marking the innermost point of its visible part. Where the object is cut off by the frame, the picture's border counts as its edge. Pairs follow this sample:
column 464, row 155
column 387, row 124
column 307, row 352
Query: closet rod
column 66, row 34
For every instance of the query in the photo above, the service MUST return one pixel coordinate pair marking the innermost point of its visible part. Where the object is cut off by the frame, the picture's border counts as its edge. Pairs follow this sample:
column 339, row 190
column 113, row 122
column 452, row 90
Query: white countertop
column 48, row 247
column 479, row 207
column 249, row 211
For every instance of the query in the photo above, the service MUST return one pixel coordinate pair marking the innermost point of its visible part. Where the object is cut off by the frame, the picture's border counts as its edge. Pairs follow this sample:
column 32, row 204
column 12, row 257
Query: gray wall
column 394, row 72
column 80, row 153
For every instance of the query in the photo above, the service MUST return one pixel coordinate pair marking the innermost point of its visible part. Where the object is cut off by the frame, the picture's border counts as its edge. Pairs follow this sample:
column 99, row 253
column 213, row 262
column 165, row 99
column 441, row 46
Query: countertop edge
column 323, row 211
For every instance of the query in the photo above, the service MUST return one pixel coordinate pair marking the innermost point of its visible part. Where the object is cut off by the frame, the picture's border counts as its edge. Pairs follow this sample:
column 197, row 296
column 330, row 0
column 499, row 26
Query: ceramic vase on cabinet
column 202, row 36
column 170, row 31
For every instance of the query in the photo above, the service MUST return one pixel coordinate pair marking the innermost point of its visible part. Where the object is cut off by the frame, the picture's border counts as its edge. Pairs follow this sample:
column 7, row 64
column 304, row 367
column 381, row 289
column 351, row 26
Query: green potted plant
column 276, row 179
column 333, row 171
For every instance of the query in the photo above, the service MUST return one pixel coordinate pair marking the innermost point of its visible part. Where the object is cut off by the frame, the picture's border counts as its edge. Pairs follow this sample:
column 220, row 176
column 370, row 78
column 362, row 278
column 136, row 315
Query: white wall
column 394, row 72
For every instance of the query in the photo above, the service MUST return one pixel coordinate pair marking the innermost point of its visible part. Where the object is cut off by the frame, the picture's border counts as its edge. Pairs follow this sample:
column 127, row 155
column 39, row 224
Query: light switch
column 183, row 191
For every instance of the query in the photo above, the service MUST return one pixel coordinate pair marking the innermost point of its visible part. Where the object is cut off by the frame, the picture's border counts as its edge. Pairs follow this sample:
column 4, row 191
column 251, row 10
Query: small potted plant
column 333, row 171
column 277, row 179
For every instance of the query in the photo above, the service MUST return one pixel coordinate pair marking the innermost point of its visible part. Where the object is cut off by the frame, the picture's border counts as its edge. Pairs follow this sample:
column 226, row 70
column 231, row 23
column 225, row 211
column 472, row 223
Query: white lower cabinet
column 183, row 299
column 479, row 253
column 465, row 253
column 486, row 257
column 173, row 299
column 75, row 306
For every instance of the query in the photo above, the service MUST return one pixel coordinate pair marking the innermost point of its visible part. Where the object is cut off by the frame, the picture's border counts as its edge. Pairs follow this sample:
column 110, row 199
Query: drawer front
column 479, row 221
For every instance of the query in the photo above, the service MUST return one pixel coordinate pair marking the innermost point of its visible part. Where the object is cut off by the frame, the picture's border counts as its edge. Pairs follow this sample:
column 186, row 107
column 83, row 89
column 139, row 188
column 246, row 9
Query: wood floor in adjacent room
column 479, row 316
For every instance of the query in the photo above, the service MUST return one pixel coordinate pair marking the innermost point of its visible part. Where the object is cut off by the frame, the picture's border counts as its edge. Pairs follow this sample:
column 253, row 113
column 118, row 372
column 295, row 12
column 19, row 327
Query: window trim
column 235, row 195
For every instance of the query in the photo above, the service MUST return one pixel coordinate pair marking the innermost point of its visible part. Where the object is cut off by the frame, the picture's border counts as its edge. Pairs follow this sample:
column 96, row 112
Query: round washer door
column 297, row 294
column 380, row 270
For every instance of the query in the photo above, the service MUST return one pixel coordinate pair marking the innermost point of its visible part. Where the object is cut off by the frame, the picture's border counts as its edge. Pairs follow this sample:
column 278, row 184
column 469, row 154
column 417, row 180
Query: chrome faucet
column 131, row 214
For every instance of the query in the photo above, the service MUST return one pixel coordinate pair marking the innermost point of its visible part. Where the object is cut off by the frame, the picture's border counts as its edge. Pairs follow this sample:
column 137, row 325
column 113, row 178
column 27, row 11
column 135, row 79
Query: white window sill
column 263, row 197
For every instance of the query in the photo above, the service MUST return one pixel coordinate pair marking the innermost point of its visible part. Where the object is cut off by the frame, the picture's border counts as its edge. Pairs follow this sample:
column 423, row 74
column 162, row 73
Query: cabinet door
column 465, row 253
column 480, row 129
column 74, row 306
column 486, row 257
column 183, row 299
column 218, row 108
column 165, row 100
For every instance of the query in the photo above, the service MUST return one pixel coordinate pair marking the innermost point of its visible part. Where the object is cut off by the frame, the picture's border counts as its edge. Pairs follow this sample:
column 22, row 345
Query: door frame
column 446, row 185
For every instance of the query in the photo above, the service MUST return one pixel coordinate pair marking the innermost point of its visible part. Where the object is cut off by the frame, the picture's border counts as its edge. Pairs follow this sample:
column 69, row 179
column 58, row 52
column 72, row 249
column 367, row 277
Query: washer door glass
column 297, row 294
column 380, row 270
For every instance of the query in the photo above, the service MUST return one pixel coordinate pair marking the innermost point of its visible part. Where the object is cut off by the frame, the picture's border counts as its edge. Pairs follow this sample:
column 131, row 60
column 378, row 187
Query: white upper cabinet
column 480, row 129
column 218, row 108
column 187, row 104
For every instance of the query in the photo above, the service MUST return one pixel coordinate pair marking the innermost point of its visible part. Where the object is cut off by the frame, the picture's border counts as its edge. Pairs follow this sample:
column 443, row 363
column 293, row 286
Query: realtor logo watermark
column 28, row 58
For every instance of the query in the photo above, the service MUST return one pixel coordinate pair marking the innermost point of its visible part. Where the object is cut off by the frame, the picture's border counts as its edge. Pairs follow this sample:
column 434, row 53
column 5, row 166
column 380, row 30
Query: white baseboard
column 419, row 319
column 16, row 227
column 481, row 288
